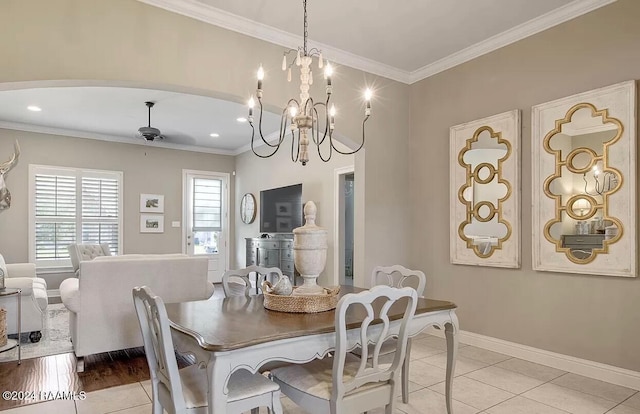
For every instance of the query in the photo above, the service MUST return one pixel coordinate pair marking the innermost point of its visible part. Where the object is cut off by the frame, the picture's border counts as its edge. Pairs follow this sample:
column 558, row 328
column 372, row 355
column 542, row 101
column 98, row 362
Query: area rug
column 55, row 337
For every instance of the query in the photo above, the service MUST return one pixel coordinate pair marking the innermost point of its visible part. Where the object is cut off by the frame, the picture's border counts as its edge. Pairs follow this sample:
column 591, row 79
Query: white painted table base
column 299, row 350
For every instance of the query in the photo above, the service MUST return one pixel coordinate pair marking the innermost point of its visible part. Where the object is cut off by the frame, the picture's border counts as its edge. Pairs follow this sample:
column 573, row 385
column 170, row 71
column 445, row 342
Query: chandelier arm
column 361, row 144
column 293, row 140
column 260, row 131
column 253, row 133
column 326, row 121
column 316, row 139
column 314, row 130
column 330, row 149
column 306, row 104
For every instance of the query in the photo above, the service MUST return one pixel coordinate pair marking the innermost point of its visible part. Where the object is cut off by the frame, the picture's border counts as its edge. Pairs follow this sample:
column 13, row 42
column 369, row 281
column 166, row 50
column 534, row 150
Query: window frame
column 78, row 173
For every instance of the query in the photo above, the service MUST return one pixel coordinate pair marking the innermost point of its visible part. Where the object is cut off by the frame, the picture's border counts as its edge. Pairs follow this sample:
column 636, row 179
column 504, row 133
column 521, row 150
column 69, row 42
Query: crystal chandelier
column 301, row 117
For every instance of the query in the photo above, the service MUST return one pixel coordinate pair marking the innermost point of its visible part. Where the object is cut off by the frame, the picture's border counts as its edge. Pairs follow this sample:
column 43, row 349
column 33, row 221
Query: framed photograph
column 151, row 203
column 151, row 223
column 284, row 209
column 283, row 224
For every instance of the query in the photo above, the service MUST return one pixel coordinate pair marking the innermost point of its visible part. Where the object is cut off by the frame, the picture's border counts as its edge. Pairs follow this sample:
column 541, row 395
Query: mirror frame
column 244, row 217
column 614, row 104
column 505, row 128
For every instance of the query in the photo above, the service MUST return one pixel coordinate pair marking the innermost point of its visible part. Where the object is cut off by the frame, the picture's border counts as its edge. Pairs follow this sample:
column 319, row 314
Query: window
column 207, row 214
column 72, row 206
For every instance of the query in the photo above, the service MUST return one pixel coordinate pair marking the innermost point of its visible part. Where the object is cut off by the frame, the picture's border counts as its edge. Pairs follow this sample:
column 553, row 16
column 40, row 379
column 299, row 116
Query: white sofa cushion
column 70, row 294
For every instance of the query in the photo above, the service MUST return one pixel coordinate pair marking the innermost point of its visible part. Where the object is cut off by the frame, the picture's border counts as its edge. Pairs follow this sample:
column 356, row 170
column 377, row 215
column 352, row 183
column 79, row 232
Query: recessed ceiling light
column 214, row 135
column 241, row 119
column 34, row 108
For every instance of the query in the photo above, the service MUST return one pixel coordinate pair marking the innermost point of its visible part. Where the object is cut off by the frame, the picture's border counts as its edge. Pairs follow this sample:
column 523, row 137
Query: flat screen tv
column 281, row 209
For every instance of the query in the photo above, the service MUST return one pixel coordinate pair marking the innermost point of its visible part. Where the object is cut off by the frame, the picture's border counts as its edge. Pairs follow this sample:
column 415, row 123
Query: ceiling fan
column 150, row 133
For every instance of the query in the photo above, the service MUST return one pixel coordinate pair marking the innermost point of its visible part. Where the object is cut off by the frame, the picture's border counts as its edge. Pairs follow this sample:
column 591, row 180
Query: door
column 344, row 185
column 205, row 218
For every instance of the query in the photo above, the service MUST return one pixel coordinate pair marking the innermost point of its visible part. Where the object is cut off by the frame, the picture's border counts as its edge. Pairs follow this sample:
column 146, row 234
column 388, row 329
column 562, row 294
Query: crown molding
column 239, row 24
column 233, row 22
column 537, row 25
column 17, row 126
column 271, row 138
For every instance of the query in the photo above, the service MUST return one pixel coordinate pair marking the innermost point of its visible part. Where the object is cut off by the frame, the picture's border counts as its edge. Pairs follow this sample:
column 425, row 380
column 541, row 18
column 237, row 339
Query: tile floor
column 486, row 382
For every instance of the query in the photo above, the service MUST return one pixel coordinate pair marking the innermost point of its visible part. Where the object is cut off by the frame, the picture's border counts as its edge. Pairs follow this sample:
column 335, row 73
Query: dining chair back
column 158, row 346
column 399, row 276
column 345, row 383
column 181, row 391
column 237, row 282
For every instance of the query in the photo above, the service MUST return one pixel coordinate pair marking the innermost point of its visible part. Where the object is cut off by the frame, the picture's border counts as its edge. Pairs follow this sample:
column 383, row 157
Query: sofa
column 102, row 316
column 34, row 299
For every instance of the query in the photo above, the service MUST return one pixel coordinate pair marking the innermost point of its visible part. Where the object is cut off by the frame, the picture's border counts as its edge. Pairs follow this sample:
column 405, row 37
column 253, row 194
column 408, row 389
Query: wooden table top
column 238, row 321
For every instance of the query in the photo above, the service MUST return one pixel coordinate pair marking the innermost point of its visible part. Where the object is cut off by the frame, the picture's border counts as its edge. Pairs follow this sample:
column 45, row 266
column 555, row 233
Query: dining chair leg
column 405, row 374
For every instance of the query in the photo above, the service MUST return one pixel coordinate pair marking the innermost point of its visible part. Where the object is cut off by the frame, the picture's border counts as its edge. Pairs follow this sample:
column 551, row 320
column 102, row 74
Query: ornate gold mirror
column 584, row 204
column 484, row 171
column 582, row 182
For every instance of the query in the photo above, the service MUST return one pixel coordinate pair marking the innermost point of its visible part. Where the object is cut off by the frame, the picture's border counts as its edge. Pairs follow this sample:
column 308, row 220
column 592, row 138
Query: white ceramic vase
column 310, row 252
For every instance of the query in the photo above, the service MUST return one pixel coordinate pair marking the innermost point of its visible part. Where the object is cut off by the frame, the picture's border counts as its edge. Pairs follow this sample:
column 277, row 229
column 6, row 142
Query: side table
column 13, row 343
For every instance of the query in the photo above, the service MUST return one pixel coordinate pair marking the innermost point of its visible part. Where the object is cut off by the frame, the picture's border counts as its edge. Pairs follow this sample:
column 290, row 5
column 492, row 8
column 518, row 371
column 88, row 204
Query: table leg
column 217, row 374
column 19, row 326
column 451, row 333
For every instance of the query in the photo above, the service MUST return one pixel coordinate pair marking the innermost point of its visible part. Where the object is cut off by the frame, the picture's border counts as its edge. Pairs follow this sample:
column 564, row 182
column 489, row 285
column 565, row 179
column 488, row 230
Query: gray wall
column 145, row 170
column 592, row 317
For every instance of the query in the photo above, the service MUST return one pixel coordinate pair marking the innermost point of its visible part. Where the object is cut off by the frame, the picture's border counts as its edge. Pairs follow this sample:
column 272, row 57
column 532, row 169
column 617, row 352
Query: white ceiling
column 115, row 114
column 405, row 40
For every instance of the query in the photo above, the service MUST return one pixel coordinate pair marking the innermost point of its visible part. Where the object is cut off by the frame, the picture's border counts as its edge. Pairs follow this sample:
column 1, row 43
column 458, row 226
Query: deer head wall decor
column 5, row 167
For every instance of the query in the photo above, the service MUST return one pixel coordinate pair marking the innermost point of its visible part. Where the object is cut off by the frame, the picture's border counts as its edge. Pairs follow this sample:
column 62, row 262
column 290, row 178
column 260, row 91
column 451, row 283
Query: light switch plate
column 175, row 224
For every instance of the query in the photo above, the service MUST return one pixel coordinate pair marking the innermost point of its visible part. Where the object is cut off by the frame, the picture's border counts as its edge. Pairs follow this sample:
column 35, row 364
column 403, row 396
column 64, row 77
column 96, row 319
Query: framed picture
column 283, row 224
column 151, row 223
column 284, row 209
column 151, row 203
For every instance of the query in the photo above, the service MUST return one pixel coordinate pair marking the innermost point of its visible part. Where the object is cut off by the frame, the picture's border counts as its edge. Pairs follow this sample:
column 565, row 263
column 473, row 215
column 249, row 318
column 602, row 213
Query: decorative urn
column 310, row 252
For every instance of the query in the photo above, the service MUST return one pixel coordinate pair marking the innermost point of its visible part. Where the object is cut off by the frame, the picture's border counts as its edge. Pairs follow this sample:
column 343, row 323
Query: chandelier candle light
column 301, row 116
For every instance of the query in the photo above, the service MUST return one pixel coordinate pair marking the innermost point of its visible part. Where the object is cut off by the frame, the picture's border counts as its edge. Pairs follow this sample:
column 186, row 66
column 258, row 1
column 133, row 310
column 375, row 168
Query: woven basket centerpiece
column 3, row 327
column 301, row 303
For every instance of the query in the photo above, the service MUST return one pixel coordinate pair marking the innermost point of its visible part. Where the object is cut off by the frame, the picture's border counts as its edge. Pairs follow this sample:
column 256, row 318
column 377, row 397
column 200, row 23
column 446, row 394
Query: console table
column 272, row 252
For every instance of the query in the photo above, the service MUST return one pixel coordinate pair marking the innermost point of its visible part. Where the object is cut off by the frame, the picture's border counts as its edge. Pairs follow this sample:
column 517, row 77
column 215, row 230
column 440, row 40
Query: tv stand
column 274, row 251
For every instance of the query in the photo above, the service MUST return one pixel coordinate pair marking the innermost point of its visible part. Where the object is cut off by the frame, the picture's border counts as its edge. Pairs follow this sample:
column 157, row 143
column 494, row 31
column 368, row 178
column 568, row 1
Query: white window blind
column 207, row 204
column 55, row 226
column 73, row 206
column 100, row 211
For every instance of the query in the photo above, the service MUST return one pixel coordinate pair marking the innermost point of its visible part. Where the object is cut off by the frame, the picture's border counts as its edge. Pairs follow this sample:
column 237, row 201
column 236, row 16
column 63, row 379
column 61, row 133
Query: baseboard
column 584, row 367
column 54, row 296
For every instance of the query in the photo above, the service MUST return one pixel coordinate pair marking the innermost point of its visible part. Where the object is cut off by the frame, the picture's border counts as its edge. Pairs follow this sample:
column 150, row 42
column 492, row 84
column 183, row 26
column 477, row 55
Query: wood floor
column 58, row 373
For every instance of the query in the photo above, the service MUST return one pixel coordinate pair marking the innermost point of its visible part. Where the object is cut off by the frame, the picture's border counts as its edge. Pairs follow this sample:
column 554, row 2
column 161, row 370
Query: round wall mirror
column 248, row 208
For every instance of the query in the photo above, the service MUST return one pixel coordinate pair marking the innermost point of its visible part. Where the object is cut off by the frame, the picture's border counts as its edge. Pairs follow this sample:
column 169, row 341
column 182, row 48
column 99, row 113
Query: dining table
column 238, row 332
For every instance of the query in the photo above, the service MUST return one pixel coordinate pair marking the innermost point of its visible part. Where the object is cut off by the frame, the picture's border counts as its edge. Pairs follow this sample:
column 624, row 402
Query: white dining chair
column 345, row 383
column 398, row 276
column 185, row 390
column 236, row 282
